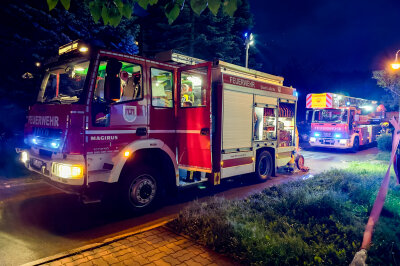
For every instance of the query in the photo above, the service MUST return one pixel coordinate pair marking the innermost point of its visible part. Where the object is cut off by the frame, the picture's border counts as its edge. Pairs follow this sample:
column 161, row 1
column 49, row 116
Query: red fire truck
column 342, row 122
column 107, row 121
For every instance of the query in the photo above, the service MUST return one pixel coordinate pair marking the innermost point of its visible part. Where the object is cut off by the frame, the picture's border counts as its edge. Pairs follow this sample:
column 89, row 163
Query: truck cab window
column 129, row 77
column 193, row 89
column 64, row 84
column 161, row 88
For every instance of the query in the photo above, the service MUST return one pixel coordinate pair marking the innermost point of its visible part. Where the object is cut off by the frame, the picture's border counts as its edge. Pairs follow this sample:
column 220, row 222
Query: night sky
column 327, row 45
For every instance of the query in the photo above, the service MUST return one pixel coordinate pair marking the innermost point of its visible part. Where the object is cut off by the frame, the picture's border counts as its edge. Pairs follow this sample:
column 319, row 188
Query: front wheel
column 140, row 189
column 264, row 166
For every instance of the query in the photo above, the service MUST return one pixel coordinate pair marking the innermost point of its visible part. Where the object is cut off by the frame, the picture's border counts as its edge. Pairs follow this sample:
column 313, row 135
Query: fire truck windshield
column 330, row 116
column 64, row 83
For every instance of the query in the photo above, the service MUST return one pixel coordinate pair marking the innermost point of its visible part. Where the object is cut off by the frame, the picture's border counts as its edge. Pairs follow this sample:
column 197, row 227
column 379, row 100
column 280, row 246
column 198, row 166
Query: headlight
column 316, row 134
column 312, row 139
column 24, row 157
column 67, row 170
column 338, row 135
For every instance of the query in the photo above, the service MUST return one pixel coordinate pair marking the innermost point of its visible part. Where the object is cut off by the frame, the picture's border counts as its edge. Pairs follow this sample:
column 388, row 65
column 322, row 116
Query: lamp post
column 396, row 64
column 248, row 41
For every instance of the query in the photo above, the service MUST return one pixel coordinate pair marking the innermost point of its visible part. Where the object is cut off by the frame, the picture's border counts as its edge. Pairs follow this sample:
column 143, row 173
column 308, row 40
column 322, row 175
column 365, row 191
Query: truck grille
column 327, row 134
column 52, row 133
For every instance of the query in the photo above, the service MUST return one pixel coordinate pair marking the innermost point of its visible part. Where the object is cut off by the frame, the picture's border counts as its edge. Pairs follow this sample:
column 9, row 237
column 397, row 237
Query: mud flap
column 214, row 178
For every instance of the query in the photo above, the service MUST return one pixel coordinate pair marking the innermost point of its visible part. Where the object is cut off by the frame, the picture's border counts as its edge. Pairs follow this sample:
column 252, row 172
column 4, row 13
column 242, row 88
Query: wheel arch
column 146, row 152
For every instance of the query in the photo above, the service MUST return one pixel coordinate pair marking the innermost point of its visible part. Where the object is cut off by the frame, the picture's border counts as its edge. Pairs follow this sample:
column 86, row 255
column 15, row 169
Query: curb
column 106, row 242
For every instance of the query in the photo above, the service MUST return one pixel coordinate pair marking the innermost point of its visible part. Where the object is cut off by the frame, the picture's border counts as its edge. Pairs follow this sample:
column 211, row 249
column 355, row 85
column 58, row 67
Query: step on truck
column 107, row 121
column 342, row 122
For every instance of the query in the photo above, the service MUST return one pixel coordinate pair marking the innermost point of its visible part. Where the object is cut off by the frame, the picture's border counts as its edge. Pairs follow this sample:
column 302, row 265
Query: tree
column 390, row 81
column 112, row 11
column 206, row 36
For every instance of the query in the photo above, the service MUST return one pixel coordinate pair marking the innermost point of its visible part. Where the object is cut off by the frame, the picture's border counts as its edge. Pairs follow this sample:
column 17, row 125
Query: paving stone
column 81, row 260
column 99, row 262
column 146, row 246
column 88, row 263
column 103, row 253
column 171, row 260
column 150, row 253
column 110, row 259
column 141, row 260
column 156, row 256
column 161, row 262
column 179, row 253
column 192, row 262
column 66, row 260
column 120, row 252
column 201, row 260
column 185, row 257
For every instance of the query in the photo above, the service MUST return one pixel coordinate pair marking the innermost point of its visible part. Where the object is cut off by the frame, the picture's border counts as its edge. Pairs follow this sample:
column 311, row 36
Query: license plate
column 37, row 163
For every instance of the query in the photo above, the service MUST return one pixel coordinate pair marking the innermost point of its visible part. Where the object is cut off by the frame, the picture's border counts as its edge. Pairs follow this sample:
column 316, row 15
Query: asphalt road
column 37, row 220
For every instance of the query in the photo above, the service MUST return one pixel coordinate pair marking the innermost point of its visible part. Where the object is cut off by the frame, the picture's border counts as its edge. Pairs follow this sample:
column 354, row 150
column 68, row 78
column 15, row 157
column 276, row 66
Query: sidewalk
column 158, row 246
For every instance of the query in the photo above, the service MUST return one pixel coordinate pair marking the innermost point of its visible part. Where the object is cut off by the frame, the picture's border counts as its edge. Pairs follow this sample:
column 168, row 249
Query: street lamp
column 396, row 63
column 248, row 41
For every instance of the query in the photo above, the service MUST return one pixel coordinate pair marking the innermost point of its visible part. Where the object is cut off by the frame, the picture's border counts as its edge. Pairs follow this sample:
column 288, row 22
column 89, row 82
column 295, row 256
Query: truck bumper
column 330, row 143
column 43, row 166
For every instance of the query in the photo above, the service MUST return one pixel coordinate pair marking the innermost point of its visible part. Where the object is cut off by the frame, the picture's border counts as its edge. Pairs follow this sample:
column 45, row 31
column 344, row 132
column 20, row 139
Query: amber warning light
column 73, row 46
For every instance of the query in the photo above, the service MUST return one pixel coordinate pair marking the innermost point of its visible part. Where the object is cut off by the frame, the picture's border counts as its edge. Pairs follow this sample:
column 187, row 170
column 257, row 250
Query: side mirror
column 113, row 87
column 357, row 118
column 112, row 83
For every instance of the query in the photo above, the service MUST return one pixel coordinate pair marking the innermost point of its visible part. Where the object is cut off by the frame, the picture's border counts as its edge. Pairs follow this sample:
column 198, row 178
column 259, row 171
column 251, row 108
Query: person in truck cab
column 187, row 98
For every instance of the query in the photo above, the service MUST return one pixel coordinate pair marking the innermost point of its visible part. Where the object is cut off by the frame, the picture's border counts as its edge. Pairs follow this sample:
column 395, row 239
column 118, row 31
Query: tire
column 356, row 144
column 140, row 190
column 264, row 166
column 299, row 161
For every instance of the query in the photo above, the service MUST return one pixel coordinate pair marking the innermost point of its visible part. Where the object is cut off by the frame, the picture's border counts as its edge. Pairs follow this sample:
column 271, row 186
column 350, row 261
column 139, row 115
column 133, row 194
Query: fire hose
column 361, row 256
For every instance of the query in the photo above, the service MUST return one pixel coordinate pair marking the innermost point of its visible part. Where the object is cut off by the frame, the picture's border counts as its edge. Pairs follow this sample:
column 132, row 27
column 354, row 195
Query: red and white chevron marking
column 309, row 101
column 329, row 100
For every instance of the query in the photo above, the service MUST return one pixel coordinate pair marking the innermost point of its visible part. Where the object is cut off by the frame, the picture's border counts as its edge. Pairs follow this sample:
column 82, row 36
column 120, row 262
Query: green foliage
column 319, row 221
column 214, row 5
column 385, row 142
column 112, row 11
column 198, row 6
column 206, row 37
column 383, row 156
column 52, row 4
column 388, row 80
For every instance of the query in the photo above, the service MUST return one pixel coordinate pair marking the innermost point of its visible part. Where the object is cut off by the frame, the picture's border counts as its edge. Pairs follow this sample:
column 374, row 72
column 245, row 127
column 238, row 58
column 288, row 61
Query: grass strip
column 319, row 221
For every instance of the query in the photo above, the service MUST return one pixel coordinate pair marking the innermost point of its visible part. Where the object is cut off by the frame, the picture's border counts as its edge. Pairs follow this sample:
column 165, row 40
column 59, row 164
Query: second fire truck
column 107, row 121
column 342, row 122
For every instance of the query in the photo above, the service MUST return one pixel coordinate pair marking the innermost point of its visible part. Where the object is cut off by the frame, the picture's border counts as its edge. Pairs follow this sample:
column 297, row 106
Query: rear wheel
column 264, row 166
column 356, row 144
column 140, row 189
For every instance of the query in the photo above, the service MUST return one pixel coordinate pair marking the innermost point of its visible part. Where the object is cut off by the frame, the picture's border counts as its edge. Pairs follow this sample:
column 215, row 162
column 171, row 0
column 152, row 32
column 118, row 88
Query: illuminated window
column 131, row 82
column 193, row 89
column 161, row 88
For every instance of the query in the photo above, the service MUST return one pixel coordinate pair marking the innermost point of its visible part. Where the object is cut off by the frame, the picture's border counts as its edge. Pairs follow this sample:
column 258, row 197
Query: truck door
column 194, row 117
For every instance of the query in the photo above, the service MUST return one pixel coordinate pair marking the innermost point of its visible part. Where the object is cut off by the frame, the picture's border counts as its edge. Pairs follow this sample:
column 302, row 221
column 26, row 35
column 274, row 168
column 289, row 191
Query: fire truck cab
column 343, row 122
column 106, row 121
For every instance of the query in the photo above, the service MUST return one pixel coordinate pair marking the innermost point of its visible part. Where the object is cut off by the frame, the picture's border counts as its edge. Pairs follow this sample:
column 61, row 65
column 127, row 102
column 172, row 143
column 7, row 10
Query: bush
column 318, row 221
column 385, row 142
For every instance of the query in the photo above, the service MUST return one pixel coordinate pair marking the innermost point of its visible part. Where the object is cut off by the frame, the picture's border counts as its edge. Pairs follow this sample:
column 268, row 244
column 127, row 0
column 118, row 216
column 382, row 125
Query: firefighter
column 187, row 98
